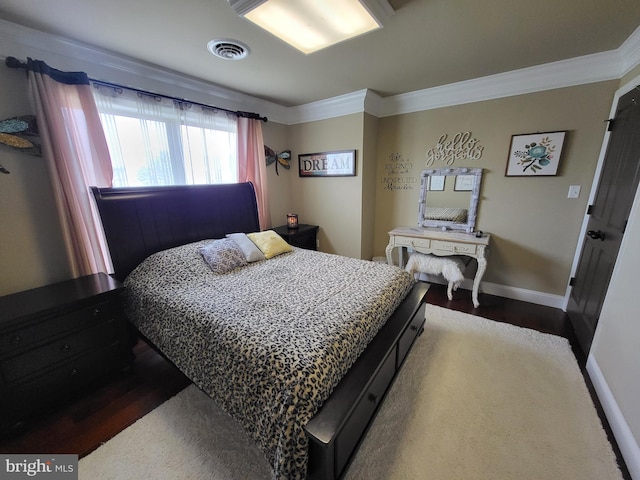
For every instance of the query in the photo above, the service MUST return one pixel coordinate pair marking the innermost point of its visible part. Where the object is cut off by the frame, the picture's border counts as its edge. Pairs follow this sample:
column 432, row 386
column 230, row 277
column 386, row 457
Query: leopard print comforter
column 268, row 341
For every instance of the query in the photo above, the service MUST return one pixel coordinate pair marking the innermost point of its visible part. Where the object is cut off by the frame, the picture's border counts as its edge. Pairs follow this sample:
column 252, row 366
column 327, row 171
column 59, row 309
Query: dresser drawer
column 59, row 350
column 408, row 337
column 355, row 427
column 412, row 242
column 57, row 383
column 305, row 240
column 453, row 247
column 44, row 330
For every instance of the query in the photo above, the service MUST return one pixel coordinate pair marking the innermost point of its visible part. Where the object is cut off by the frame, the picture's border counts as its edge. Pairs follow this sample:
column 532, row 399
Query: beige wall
column 369, row 155
column 631, row 76
column 31, row 248
column 276, row 137
column 333, row 203
column 534, row 226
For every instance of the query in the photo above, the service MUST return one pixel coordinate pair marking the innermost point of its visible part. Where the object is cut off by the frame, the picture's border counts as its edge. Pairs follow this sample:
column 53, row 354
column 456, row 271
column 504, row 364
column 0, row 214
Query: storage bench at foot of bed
column 336, row 431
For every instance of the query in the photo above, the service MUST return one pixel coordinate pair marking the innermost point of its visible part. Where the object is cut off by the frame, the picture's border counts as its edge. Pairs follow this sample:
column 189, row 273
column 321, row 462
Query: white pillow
column 250, row 250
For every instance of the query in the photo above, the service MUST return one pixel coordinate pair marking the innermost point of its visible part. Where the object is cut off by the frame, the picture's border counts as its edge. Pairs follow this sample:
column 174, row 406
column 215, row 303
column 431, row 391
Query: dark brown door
column 607, row 219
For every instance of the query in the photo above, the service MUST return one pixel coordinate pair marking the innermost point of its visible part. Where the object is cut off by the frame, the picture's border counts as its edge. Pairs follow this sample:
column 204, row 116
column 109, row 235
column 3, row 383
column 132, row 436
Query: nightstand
column 56, row 339
column 305, row 236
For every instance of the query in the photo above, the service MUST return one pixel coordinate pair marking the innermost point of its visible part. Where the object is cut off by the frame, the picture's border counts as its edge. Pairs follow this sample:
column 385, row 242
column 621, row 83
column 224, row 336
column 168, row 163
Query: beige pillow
column 269, row 243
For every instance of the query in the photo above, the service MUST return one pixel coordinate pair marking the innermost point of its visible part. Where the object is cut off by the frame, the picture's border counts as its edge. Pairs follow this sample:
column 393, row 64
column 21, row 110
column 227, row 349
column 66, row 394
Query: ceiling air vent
column 228, row 49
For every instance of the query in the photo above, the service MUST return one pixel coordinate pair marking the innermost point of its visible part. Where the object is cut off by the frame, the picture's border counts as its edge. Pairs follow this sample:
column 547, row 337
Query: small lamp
column 292, row 220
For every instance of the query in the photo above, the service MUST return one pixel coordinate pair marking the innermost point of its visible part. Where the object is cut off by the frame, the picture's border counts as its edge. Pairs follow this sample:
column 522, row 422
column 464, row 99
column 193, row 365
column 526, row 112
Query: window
column 154, row 140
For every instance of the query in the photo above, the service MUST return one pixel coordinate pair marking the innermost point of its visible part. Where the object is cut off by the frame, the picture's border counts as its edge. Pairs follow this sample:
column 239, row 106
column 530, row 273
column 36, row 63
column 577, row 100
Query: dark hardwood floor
column 91, row 418
column 83, row 423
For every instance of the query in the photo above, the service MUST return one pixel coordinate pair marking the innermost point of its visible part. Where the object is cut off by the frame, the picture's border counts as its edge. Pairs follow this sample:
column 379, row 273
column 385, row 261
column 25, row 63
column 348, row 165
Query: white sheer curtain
column 155, row 140
column 74, row 147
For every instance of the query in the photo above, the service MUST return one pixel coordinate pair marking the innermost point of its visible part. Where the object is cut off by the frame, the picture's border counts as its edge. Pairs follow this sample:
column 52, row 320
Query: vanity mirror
column 449, row 198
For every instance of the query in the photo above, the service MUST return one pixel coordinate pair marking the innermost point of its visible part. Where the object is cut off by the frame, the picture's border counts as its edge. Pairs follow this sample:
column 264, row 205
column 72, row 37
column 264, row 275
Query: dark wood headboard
column 139, row 221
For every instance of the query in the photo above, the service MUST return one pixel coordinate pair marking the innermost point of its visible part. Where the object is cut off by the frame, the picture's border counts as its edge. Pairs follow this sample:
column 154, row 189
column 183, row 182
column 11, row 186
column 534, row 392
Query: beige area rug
column 475, row 400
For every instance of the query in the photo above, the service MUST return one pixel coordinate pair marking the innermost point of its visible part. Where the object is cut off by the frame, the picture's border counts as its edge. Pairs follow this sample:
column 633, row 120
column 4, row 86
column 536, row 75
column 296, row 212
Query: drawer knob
column 372, row 397
column 74, row 372
column 96, row 312
column 65, row 348
column 17, row 340
column 414, row 327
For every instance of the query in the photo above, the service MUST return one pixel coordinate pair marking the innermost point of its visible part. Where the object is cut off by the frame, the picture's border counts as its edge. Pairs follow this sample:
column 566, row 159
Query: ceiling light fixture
column 311, row 25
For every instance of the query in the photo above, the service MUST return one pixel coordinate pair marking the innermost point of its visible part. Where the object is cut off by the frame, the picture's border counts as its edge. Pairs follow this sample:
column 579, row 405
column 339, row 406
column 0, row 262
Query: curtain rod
column 13, row 62
column 239, row 113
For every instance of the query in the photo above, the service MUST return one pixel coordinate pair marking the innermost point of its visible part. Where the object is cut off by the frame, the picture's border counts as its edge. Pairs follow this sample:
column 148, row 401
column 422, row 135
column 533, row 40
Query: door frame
column 623, row 90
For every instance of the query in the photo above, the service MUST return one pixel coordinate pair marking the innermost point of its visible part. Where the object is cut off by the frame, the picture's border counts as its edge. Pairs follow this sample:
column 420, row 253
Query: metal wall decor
column 461, row 147
column 20, row 133
column 281, row 158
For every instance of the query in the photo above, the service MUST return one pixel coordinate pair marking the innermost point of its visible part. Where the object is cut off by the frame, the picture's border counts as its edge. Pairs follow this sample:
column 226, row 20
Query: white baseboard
column 624, row 437
column 522, row 294
column 531, row 296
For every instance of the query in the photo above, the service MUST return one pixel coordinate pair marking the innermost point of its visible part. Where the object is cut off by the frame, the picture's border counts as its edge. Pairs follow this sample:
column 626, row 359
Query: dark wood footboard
column 336, row 431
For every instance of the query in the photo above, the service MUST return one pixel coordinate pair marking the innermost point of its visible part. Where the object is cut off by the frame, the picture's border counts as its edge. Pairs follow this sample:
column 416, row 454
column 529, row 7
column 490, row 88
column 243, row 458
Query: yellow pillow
column 269, row 243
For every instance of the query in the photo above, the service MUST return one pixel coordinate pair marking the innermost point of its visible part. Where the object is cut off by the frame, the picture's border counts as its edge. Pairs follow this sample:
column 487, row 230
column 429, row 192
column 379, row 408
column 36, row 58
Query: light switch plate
column 574, row 191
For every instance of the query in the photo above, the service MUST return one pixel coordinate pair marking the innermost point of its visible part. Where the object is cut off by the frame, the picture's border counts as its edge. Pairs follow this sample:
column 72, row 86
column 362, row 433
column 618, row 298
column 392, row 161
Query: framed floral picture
column 535, row 154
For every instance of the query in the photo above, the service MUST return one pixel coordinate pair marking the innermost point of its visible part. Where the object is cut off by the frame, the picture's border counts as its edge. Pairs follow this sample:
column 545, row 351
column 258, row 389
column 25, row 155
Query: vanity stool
column 451, row 268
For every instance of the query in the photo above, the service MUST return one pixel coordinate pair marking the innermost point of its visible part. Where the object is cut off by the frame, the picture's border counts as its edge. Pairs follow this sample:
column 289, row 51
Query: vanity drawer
column 453, row 247
column 412, row 242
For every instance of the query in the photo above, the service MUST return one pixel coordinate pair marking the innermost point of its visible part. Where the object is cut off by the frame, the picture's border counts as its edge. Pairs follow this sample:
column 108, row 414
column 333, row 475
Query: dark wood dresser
column 305, row 236
column 56, row 339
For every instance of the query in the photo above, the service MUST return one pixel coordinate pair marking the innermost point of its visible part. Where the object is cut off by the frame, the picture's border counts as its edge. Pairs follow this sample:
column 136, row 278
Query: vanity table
column 441, row 243
column 447, row 212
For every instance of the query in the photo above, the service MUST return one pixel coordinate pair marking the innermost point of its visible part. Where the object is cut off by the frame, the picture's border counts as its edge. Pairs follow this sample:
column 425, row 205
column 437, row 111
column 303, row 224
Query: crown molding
column 339, row 106
column 22, row 42
column 630, row 52
column 598, row 67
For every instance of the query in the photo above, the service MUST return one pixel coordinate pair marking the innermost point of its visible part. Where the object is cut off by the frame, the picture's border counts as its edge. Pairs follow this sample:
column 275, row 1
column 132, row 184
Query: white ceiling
column 427, row 43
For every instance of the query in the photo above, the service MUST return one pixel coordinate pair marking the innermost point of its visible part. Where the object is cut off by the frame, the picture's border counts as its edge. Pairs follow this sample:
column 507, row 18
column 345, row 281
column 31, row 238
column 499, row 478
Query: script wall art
column 448, row 150
column 398, row 173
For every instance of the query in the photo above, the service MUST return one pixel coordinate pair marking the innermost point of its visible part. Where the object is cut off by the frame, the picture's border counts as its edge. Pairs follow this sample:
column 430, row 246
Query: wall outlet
column 574, row 191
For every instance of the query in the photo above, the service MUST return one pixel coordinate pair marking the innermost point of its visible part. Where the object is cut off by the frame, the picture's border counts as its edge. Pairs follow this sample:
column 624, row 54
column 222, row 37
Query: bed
column 300, row 349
